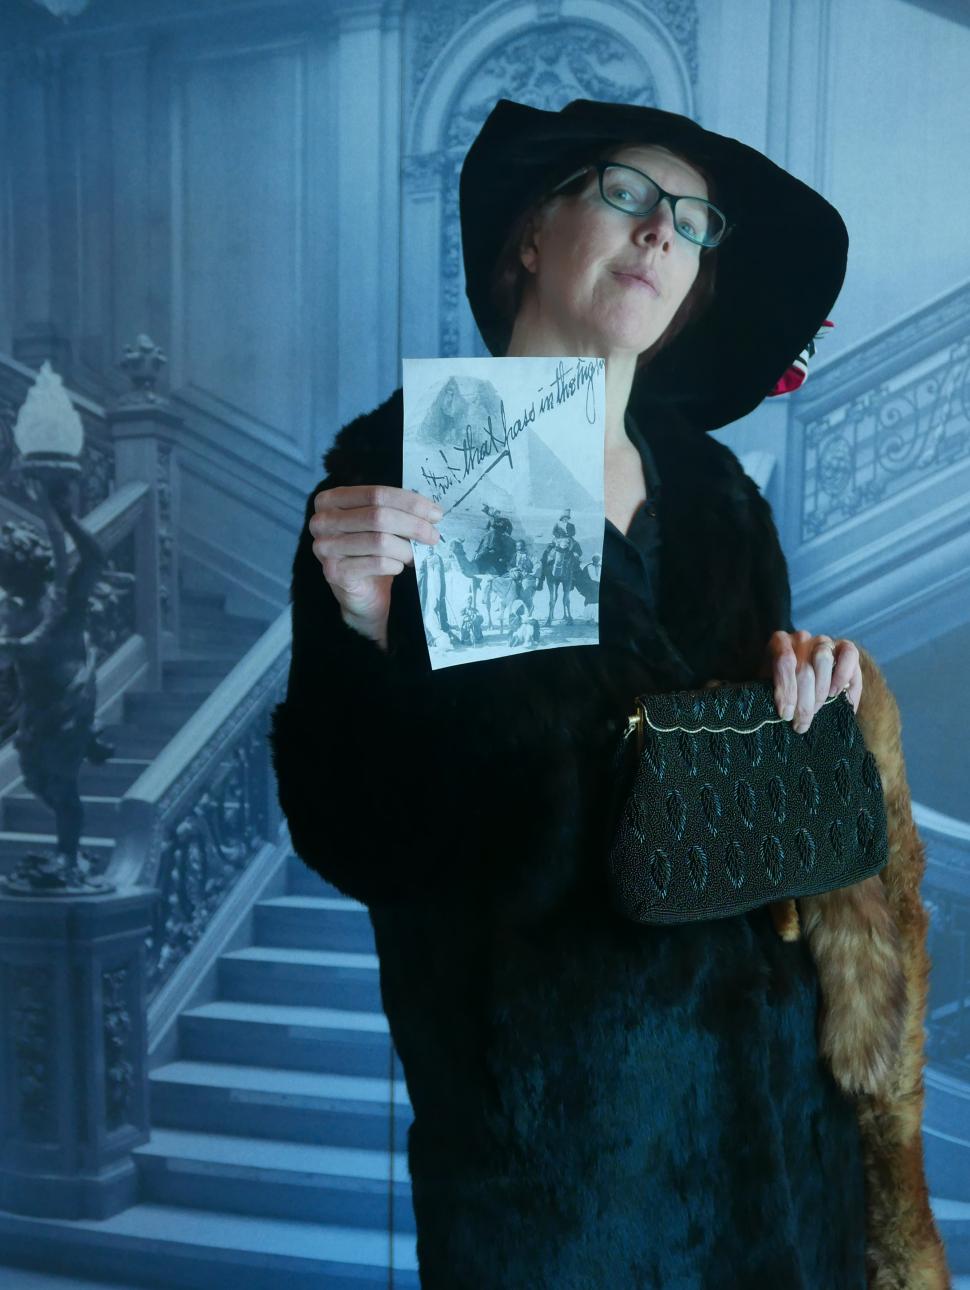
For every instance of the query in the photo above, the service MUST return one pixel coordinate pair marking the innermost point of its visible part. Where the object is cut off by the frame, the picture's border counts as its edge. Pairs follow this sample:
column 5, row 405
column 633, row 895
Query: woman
column 596, row 1103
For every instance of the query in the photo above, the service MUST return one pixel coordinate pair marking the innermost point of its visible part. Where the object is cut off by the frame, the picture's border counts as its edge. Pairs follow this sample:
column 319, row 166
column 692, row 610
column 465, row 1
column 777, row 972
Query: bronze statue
column 55, row 663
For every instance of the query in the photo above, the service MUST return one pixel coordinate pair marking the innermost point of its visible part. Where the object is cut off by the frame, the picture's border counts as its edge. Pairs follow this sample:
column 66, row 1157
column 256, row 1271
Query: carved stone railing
column 888, row 415
column 205, row 807
column 873, row 513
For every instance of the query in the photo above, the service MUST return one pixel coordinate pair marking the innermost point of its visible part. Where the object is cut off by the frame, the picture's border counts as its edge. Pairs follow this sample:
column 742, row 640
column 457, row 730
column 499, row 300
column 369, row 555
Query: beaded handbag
column 728, row 808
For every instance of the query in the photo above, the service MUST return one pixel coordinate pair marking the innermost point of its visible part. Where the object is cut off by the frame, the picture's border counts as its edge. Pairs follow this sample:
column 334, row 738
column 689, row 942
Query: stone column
column 367, row 282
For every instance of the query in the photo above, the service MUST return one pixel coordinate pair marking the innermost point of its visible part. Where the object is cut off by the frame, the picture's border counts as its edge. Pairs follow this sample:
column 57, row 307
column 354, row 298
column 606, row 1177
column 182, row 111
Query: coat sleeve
column 353, row 738
column 374, row 752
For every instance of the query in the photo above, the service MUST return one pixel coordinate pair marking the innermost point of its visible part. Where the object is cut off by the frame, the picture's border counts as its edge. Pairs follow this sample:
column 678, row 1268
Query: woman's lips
column 635, row 281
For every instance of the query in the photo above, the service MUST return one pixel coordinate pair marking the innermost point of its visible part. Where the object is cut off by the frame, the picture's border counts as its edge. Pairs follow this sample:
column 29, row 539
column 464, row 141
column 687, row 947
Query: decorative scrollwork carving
column 206, row 848
column 166, row 535
column 118, row 1038
column 435, row 25
column 31, row 1016
column 887, row 438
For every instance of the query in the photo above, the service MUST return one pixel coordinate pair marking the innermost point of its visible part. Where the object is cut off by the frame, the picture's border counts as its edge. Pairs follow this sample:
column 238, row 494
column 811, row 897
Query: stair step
column 221, row 635
column 294, row 1105
column 28, row 1279
column 299, row 1038
column 172, row 1246
column 204, row 615
column 142, row 741
column 947, row 1104
column 14, row 845
column 198, row 664
column 25, row 813
column 148, row 698
column 278, row 1179
column 303, row 880
column 198, row 615
column 268, row 1154
column 953, row 1221
column 197, row 596
column 313, row 922
column 946, row 1156
column 113, row 777
column 278, row 975
column 186, row 676
column 162, row 707
column 946, row 1133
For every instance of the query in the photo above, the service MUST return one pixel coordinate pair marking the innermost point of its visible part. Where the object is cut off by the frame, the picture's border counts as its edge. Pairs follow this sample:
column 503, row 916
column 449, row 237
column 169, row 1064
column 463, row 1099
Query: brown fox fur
column 869, row 945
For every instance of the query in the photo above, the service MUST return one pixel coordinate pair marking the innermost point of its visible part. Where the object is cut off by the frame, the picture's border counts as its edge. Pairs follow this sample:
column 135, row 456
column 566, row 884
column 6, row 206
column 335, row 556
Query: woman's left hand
column 807, row 670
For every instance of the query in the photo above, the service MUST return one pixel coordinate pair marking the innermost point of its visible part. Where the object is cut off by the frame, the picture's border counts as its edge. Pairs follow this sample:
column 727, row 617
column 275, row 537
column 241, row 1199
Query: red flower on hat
column 797, row 373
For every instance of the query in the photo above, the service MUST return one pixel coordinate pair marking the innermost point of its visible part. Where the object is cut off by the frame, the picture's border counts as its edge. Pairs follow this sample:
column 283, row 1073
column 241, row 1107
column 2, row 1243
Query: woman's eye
column 686, row 224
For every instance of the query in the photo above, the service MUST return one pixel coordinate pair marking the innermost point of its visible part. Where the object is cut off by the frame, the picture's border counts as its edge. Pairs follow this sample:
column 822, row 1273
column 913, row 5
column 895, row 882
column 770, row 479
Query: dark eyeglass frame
column 602, row 166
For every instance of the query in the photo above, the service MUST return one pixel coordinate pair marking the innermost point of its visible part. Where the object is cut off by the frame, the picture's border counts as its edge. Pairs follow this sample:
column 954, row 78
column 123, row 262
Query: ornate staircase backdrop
column 199, row 1086
column 270, row 1143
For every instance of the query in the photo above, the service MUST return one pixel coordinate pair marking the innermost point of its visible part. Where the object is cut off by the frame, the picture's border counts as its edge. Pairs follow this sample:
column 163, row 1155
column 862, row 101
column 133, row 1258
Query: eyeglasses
column 629, row 190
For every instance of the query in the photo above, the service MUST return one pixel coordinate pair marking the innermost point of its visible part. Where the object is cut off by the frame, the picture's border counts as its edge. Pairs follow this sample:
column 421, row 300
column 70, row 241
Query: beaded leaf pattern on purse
column 730, row 809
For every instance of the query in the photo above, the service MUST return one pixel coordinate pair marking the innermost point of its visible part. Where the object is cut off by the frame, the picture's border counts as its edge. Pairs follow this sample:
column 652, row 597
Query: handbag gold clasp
column 634, row 724
column 641, row 716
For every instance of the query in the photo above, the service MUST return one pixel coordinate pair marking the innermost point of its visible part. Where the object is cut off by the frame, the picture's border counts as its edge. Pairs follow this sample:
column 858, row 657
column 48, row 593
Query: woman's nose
column 658, row 226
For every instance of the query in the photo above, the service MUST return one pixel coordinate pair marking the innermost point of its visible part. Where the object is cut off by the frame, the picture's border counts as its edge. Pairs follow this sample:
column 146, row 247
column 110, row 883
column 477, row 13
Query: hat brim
column 779, row 271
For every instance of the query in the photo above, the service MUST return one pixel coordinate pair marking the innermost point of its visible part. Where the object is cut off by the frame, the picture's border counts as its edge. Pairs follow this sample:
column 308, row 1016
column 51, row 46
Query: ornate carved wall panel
column 462, row 62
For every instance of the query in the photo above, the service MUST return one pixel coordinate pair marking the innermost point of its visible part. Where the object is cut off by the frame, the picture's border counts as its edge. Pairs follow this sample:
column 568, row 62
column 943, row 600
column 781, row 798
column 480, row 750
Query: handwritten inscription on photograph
column 512, row 450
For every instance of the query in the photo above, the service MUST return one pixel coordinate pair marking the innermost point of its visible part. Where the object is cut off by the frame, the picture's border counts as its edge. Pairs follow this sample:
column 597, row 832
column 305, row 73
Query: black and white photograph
column 512, row 449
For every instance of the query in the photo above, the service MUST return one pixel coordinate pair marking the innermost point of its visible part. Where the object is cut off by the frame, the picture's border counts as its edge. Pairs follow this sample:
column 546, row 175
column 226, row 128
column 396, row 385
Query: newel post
column 145, row 431
column 73, row 1051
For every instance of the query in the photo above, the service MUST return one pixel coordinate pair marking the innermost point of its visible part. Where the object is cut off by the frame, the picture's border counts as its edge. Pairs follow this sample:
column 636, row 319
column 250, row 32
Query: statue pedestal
column 73, row 1051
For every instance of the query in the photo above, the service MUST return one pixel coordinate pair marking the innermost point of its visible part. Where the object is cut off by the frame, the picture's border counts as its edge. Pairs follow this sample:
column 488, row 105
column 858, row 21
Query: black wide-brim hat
column 779, row 270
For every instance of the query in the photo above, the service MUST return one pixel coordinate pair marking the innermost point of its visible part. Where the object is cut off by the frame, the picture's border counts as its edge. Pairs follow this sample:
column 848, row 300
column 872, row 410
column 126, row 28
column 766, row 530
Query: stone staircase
column 275, row 1154
column 946, row 1143
column 279, row 1106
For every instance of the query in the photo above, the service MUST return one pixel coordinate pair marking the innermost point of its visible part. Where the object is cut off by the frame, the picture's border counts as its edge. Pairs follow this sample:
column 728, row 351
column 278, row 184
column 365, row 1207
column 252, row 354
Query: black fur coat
column 597, row 1103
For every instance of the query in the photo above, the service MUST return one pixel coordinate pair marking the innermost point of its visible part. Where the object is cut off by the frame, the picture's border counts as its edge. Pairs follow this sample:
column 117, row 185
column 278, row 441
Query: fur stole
column 869, row 944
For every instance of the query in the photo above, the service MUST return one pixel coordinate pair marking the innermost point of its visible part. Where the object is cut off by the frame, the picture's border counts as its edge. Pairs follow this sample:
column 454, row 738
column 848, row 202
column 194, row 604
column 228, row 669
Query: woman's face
column 581, row 253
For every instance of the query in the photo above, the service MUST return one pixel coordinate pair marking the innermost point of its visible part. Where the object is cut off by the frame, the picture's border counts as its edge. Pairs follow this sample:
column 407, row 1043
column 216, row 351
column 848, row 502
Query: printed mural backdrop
column 223, row 224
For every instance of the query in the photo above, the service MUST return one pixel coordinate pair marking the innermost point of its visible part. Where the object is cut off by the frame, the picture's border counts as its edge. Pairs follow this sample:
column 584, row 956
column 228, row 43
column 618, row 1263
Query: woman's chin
column 631, row 340
column 629, row 329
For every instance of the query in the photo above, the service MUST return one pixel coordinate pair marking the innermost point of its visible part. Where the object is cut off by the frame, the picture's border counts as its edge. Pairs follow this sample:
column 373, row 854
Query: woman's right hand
column 361, row 537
